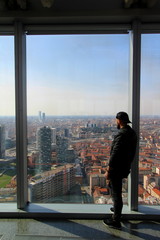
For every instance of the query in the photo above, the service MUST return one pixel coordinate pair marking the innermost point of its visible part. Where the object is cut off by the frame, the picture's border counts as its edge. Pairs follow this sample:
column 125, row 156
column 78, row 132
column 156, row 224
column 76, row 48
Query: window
column 75, row 86
column 7, row 121
column 149, row 156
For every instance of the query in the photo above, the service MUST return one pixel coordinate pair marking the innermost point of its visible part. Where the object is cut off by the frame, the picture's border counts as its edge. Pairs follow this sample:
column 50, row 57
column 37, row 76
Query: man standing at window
column 121, row 156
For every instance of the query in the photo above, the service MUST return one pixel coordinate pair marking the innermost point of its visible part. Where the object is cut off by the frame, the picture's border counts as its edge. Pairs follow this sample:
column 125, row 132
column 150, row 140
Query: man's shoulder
column 127, row 131
column 120, row 134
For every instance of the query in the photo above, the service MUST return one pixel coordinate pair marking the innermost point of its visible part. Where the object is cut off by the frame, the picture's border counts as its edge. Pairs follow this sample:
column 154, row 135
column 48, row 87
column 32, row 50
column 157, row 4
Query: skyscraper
column 43, row 117
column 66, row 132
column 39, row 116
column 62, row 146
column 2, row 141
column 53, row 136
column 44, row 141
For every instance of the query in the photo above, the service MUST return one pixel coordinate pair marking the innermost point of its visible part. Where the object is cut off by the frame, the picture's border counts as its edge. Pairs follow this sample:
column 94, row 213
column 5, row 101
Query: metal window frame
column 6, row 30
column 21, row 97
column 137, row 30
column 19, row 31
column 135, row 61
column 150, row 28
column 21, row 115
column 77, row 29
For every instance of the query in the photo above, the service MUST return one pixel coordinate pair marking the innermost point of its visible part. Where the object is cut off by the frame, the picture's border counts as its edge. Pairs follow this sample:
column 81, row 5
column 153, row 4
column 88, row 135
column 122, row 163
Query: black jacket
column 122, row 152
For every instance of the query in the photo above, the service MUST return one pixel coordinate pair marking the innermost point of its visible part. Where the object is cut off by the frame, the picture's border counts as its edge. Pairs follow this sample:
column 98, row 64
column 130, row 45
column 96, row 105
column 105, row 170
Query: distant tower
column 66, row 132
column 44, row 141
column 2, row 141
column 39, row 116
column 43, row 117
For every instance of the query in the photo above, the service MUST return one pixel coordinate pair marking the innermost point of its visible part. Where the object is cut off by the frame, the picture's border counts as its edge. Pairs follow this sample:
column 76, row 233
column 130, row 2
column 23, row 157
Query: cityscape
column 67, row 157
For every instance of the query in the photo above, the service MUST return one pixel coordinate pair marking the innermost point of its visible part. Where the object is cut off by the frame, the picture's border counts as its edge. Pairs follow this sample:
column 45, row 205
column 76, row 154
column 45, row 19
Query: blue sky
column 7, row 86
column 150, row 74
column 80, row 74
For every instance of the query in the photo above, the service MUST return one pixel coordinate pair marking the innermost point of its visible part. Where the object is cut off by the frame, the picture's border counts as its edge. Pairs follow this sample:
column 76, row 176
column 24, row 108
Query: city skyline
column 84, row 143
column 80, row 75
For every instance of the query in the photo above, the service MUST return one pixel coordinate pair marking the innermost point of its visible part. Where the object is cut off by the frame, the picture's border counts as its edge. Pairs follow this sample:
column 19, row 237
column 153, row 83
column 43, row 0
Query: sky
column 150, row 74
column 80, row 74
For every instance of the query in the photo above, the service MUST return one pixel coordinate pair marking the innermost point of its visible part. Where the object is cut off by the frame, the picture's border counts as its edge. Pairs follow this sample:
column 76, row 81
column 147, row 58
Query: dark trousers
column 116, row 193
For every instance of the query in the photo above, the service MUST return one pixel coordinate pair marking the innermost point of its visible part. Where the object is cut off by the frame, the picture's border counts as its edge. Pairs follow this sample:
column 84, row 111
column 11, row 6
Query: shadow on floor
column 94, row 229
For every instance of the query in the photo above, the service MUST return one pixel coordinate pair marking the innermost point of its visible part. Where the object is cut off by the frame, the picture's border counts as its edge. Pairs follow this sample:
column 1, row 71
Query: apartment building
column 47, row 186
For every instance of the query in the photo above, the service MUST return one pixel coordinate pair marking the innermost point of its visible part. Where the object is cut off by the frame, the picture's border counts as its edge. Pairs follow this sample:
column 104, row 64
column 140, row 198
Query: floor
column 36, row 229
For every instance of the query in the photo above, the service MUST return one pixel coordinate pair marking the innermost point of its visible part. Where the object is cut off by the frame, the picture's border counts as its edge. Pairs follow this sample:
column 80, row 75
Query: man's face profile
column 118, row 123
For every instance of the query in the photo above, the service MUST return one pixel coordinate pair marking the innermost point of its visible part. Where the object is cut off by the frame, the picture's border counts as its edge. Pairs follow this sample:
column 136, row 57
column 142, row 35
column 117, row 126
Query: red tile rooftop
column 95, row 167
column 141, row 190
column 95, row 173
column 156, row 191
column 147, row 160
column 147, row 194
column 103, row 190
column 144, row 169
column 142, row 154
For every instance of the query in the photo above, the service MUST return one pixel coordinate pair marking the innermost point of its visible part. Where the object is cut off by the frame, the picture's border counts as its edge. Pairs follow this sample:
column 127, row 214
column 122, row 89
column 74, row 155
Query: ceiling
column 79, row 11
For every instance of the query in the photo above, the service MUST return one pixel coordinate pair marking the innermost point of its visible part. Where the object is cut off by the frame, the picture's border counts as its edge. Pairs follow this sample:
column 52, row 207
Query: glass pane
column 7, row 121
column 76, row 85
column 149, row 161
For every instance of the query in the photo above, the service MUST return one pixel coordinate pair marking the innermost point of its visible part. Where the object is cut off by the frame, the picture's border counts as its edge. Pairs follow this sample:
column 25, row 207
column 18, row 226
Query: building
column 44, row 141
column 40, row 116
column 32, row 159
column 143, row 172
column 46, row 187
column 151, row 180
column 2, row 141
column 53, row 136
column 66, row 132
column 97, row 180
column 70, row 155
column 43, row 117
column 61, row 148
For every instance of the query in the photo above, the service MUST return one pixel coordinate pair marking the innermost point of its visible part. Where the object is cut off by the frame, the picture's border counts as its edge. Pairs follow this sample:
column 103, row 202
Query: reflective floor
column 32, row 229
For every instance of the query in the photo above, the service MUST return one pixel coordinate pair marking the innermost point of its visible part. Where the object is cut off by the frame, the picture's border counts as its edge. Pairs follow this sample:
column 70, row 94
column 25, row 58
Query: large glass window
column 149, row 156
column 7, row 121
column 75, row 86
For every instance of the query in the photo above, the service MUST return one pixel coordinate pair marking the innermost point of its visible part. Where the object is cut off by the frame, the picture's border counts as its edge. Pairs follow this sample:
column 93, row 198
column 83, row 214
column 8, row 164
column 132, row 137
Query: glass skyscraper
column 44, row 140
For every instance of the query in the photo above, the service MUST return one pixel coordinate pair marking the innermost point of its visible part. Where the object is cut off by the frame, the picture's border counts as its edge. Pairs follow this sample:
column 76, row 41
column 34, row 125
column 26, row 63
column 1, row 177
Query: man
column 121, row 156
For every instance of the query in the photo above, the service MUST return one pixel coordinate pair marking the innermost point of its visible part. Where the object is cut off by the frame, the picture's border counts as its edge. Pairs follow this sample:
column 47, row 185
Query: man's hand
column 107, row 173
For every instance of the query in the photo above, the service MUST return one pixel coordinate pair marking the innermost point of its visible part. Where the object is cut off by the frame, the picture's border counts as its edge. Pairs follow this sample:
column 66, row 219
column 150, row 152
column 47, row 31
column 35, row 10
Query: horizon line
column 109, row 115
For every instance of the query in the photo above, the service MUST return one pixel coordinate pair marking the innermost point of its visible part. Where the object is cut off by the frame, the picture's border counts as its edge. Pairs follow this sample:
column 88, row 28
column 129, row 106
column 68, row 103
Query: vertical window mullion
column 135, row 110
column 21, row 123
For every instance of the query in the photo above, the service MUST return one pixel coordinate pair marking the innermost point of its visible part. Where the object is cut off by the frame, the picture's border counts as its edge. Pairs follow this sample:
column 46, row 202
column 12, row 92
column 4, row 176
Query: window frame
column 19, row 30
column 71, row 29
